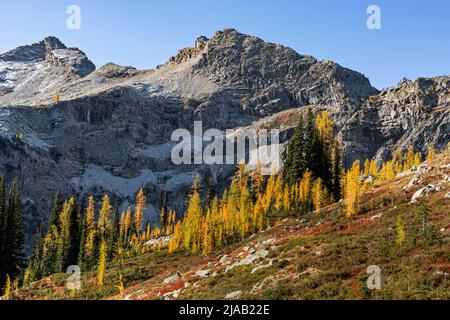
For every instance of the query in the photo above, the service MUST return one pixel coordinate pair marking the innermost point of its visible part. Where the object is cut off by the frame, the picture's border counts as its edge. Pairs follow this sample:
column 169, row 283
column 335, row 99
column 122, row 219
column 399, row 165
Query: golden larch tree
column 141, row 201
column 104, row 218
column 101, row 264
column 431, row 153
column 352, row 189
column 90, row 230
column 324, row 125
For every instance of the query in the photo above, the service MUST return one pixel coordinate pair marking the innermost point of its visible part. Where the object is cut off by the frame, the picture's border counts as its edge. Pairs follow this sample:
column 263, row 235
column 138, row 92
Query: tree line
column 12, row 258
column 91, row 239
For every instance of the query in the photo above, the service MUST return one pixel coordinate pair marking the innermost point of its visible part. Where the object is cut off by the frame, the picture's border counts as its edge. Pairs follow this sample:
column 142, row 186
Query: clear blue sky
column 414, row 40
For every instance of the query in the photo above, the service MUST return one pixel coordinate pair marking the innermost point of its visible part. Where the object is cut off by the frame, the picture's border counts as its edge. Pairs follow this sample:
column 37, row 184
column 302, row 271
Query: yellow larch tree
column 207, row 241
column 278, row 192
column 7, row 289
column 287, row 199
column 401, row 234
column 104, row 218
column 64, row 240
column 319, row 194
column 366, row 168
column 128, row 221
column 258, row 214
column 417, row 158
column 101, row 264
column 148, row 231
column 175, row 241
column 163, row 217
column 410, row 158
column 374, row 169
column 90, row 231
column 245, row 207
column 431, row 153
column 390, row 170
column 397, row 161
column 141, row 201
column 269, row 194
column 324, row 125
column 352, row 189
column 258, row 180
column 305, row 190
column 122, row 226
column 192, row 224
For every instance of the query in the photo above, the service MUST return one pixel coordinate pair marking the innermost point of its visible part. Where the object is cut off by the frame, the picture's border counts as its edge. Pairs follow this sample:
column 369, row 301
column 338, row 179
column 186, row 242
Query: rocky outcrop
column 425, row 191
column 73, row 61
column 234, row 295
column 414, row 113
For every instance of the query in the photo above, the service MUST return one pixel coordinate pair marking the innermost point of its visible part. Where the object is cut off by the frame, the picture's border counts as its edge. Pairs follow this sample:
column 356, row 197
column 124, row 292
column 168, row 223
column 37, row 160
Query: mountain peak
column 33, row 52
column 52, row 43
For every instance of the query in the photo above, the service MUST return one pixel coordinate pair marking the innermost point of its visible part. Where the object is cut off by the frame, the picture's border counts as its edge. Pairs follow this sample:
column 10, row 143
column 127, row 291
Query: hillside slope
column 322, row 255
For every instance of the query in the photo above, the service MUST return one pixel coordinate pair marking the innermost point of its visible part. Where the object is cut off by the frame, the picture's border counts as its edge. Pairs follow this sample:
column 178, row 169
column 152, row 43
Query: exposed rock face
column 414, row 113
column 110, row 131
column 73, row 60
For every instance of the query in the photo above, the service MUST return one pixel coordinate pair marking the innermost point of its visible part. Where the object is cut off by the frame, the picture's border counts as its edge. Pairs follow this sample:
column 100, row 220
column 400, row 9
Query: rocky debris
column 425, row 191
column 260, row 285
column 203, row 273
column 138, row 295
column 234, row 295
column 263, row 266
column 310, row 272
column 269, row 241
column 376, row 216
column 412, row 183
column 162, row 241
column 251, row 258
column 224, row 259
column 425, row 170
column 172, row 295
column 405, row 174
column 172, row 278
column 128, row 297
column 447, row 196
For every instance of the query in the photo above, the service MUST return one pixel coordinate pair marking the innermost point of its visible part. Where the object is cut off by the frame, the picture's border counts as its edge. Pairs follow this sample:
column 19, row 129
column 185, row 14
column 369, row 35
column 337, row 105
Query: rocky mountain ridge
column 110, row 129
